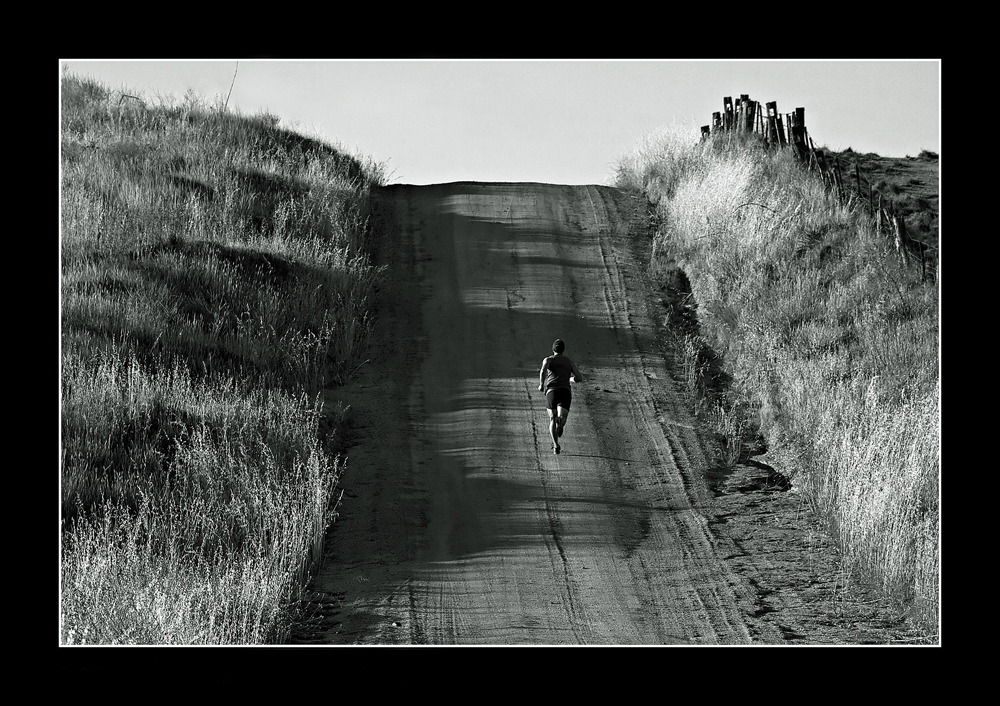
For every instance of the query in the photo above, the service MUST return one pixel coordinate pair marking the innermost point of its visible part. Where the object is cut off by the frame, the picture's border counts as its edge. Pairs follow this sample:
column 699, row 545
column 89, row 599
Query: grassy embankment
column 828, row 345
column 215, row 277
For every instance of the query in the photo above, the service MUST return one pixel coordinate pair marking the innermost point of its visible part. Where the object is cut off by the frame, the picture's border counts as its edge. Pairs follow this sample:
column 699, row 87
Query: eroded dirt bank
column 459, row 525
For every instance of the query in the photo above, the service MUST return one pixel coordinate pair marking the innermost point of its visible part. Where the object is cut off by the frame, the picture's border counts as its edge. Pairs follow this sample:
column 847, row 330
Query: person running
column 554, row 380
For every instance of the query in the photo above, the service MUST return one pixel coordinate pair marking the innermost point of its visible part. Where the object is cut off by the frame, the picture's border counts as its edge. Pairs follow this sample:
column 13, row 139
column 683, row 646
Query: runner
column 554, row 380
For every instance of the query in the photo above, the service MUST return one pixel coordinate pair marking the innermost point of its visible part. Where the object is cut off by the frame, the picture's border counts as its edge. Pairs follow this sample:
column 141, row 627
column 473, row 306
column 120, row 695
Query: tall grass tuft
column 830, row 341
column 217, row 275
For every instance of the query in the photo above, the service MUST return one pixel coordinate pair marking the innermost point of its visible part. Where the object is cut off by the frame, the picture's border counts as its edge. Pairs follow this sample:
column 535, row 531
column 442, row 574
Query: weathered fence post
column 727, row 109
column 705, row 132
column 901, row 239
column 798, row 123
column 838, row 179
column 775, row 117
column 907, row 246
column 824, row 170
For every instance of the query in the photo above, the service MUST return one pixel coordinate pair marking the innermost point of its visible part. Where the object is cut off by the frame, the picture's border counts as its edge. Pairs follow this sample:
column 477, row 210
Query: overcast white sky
column 556, row 121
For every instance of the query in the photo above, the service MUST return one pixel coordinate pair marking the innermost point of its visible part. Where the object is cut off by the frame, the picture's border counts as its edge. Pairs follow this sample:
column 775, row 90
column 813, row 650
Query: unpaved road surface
column 458, row 524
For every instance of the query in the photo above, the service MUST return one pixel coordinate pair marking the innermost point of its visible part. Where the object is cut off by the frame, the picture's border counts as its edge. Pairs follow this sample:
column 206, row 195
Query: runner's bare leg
column 563, row 416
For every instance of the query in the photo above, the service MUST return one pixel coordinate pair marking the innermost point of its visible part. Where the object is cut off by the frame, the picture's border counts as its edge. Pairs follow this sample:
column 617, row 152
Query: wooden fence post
column 772, row 125
column 727, row 109
column 798, row 132
column 772, row 111
column 838, row 180
column 901, row 239
column 908, row 247
column 824, row 170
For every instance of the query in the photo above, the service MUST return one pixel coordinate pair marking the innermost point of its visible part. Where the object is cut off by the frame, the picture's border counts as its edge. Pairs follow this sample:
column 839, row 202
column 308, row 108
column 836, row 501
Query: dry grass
column 831, row 343
column 216, row 276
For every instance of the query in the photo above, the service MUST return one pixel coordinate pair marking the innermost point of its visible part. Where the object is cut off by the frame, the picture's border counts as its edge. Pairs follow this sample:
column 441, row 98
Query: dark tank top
column 558, row 372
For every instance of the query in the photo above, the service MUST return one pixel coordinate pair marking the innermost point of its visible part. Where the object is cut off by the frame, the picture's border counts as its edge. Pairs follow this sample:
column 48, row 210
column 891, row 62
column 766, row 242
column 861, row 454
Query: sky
column 555, row 121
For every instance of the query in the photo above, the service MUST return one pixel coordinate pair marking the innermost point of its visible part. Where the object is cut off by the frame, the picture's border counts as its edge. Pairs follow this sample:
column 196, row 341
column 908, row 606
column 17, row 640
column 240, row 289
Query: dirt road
column 459, row 525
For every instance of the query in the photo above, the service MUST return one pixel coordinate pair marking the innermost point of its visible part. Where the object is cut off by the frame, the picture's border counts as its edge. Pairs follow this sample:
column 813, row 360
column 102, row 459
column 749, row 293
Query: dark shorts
column 558, row 397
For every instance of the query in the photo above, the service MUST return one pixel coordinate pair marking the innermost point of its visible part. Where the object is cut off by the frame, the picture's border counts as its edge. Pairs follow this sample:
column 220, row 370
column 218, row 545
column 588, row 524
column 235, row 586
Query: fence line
column 788, row 131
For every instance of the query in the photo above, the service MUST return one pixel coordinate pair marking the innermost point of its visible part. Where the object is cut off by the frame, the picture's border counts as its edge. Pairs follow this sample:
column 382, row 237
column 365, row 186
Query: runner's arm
column 541, row 374
column 577, row 377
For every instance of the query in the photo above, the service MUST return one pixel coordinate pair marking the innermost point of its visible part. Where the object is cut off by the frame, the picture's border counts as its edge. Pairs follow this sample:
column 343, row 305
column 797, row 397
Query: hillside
column 911, row 184
column 216, row 276
column 811, row 336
